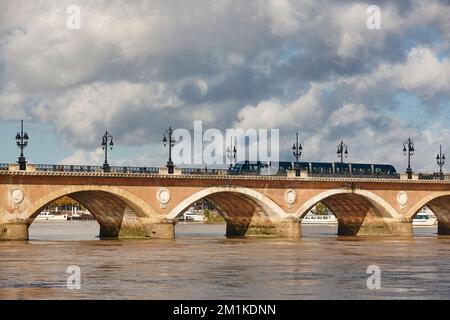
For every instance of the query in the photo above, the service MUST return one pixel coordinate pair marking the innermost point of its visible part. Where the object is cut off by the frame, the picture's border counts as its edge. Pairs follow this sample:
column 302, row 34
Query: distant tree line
column 321, row 209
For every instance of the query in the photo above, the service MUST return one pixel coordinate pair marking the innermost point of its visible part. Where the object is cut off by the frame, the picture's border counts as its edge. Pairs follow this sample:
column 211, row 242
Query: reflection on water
column 202, row 264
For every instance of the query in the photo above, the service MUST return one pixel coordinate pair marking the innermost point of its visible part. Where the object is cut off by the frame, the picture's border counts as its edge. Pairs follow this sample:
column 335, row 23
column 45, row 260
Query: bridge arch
column 108, row 204
column 246, row 211
column 265, row 202
column 439, row 203
column 358, row 211
column 443, row 197
column 377, row 201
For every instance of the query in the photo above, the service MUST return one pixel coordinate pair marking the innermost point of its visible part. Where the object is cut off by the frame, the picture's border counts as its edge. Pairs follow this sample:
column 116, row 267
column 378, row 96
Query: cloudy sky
column 136, row 67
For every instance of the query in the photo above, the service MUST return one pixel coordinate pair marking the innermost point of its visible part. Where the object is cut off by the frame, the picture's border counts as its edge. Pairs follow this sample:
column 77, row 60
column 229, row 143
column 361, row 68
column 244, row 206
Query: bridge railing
column 354, row 175
column 67, row 168
column 80, row 168
column 152, row 170
column 204, row 171
column 434, row 176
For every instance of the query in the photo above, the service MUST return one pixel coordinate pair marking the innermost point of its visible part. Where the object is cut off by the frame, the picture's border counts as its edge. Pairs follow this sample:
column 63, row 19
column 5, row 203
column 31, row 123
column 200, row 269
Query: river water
column 202, row 264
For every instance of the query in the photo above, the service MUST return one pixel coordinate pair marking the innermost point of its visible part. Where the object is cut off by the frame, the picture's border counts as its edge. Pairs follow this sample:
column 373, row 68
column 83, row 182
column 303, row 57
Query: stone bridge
column 128, row 205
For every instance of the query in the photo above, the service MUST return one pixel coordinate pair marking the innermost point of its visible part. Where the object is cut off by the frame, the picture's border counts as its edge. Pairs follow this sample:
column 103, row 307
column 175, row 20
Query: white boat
column 80, row 215
column 312, row 218
column 425, row 218
column 47, row 215
column 192, row 216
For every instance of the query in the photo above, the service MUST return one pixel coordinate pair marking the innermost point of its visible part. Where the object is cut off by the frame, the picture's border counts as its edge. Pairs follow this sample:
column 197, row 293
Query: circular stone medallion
column 17, row 195
column 163, row 195
column 290, row 196
column 402, row 198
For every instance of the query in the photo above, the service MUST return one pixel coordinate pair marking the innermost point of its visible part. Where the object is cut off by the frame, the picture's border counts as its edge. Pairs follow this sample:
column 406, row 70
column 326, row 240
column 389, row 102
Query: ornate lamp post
column 297, row 152
column 22, row 142
column 107, row 137
column 408, row 149
column 168, row 140
column 232, row 152
column 342, row 151
column 440, row 159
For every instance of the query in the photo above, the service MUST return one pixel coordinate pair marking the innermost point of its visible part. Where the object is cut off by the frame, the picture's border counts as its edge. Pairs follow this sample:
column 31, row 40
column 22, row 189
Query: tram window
column 384, row 169
column 304, row 167
column 320, row 168
column 361, row 169
column 341, row 168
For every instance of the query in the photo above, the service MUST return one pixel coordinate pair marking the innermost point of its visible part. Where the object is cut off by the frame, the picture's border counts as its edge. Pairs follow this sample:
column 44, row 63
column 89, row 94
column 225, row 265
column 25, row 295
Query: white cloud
column 90, row 109
column 350, row 114
column 43, row 55
column 350, row 21
column 82, row 157
column 311, row 66
column 304, row 111
column 11, row 104
column 423, row 72
column 283, row 17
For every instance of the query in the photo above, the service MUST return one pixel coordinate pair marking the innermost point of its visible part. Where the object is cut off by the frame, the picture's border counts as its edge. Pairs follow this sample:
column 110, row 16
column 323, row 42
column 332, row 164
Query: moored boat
column 424, row 218
column 47, row 215
column 312, row 218
column 192, row 215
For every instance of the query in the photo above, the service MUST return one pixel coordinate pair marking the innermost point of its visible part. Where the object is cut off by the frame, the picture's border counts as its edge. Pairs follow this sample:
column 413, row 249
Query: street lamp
column 22, row 142
column 297, row 152
column 231, row 152
column 342, row 151
column 107, row 137
column 440, row 159
column 168, row 140
column 408, row 149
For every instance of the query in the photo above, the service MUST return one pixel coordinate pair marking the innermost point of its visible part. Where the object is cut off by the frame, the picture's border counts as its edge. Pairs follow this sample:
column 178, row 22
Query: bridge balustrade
column 67, row 168
column 434, row 176
column 354, row 175
column 118, row 169
column 78, row 168
column 204, row 171
column 154, row 170
column 84, row 168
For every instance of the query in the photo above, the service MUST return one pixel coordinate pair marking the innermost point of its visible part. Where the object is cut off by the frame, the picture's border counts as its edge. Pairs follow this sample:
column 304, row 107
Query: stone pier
column 281, row 229
column 375, row 227
column 443, row 227
column 14, row 230
column 137, row 229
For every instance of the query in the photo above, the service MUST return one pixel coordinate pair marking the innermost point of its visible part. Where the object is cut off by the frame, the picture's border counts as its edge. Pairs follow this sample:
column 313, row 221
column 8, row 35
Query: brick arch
column 359, row 212
column 439, row 203
column 356, row 197
column 225, row 197
column 107, row 204
column 437, row 200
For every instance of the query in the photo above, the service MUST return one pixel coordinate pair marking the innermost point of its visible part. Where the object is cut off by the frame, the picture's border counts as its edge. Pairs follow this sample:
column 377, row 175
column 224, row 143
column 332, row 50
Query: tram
column 315, row 168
